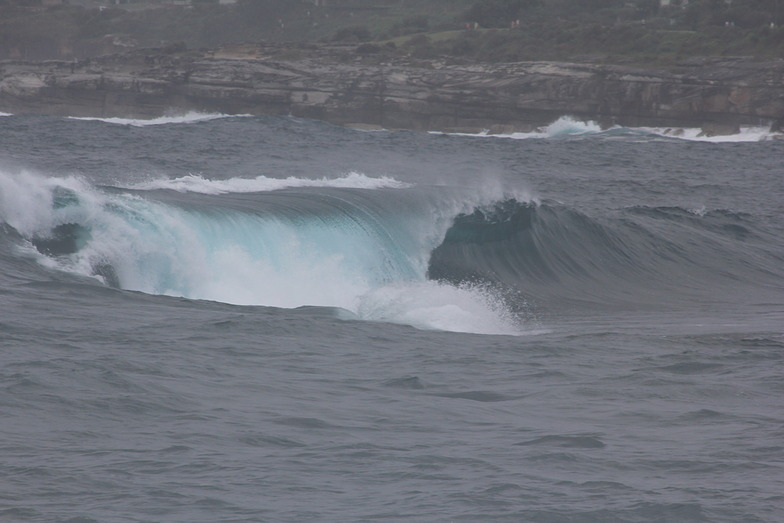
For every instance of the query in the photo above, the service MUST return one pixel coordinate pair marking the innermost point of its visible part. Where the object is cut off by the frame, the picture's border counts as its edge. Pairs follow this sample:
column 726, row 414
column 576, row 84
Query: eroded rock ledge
column 342, row 87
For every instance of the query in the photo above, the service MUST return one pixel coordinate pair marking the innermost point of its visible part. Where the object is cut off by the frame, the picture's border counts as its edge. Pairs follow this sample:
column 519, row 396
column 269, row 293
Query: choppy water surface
column 208, row 318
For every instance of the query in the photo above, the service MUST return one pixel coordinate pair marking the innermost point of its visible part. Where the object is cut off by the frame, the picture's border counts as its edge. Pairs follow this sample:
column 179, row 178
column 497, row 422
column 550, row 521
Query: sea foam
column 437, row 305
column 191, row 117
column 569, row 127
column 199, row 184
column 746, row 134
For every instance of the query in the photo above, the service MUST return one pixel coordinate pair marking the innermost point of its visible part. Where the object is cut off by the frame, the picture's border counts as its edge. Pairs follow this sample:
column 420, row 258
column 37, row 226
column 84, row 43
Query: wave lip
column 198, row 184
column 190, row 117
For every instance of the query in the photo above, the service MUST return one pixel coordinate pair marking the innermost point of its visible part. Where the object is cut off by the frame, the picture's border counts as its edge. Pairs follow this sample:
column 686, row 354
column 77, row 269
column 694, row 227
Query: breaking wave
column 383, row 250
column 570, row 127
column 190, row 117
column 199, row 184
column 345, row 244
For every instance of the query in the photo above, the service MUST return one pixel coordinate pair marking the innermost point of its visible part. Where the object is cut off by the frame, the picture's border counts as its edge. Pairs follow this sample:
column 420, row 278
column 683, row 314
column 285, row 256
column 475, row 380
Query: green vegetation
column 641, row 31
column 637, row 31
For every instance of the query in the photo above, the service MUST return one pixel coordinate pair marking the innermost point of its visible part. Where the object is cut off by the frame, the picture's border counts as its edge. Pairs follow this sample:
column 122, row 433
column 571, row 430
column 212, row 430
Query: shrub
column 498, row 13
column 352, row 34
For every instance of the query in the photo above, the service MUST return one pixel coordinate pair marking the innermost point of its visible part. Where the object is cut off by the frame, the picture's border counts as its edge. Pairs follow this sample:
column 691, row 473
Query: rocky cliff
column 343, row 87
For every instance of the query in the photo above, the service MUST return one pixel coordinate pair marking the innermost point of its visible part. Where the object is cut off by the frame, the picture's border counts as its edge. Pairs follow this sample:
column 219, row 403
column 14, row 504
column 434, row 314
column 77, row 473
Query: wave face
column 334, row 243
column 637, row 257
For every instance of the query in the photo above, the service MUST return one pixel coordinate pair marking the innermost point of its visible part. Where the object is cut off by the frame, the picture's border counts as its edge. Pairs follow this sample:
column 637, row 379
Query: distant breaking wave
column 747, row 134
column 564, row 127
column 569, row 127
column 199, row 184
column 190, row 117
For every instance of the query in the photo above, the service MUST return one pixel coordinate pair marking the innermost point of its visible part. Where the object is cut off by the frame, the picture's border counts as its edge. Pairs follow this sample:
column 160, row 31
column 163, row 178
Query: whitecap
column 190, row 117
column 200, row 184
column 746, row 134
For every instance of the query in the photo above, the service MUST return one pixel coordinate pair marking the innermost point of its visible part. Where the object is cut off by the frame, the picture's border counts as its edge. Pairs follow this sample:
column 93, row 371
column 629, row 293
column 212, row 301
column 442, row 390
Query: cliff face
column 351, row 89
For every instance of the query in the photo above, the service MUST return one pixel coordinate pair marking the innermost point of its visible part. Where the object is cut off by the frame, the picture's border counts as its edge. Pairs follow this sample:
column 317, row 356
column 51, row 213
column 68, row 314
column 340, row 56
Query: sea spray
column 436, row 305
column 332, row 245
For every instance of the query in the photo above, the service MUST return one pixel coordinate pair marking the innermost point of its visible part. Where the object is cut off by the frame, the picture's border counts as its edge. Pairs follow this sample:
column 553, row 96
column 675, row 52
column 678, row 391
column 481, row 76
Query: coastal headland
column 360, row 86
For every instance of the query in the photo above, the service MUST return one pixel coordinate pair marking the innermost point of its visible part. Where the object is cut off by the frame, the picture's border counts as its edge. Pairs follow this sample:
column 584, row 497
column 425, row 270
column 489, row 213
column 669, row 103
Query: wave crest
column 190, row 117
column 570, row 127
column 199, row 184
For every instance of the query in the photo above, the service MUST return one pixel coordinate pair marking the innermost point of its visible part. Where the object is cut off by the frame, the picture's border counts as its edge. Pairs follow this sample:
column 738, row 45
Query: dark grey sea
column 251, row 319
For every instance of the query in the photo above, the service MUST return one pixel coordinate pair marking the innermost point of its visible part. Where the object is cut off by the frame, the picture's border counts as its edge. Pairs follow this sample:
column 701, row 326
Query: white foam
column 566, row 126
column 699, row 211
column 747, row 134
column 199, row 184
column 186, row 118
column 26, row 201
column 439, row 306
column 5, row 114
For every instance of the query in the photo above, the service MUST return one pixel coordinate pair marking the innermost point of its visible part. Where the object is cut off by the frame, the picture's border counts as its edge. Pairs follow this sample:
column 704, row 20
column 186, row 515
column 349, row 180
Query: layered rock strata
column 346, row 88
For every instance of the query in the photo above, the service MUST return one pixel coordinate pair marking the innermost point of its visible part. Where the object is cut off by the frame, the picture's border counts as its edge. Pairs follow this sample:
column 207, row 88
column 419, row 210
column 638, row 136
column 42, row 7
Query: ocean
column 210, row 318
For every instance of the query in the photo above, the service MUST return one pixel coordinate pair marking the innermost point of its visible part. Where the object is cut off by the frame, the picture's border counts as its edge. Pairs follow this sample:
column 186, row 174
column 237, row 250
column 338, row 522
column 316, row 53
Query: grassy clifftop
column 638, row 31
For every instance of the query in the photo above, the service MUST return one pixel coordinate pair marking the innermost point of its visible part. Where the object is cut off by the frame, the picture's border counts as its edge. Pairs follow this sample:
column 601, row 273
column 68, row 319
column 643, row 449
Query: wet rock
column 719, row 129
